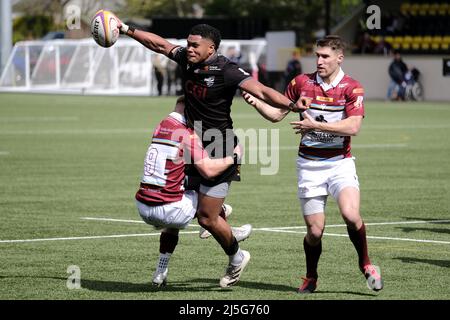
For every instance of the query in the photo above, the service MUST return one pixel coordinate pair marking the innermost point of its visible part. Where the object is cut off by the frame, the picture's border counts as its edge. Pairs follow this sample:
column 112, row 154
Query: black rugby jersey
column 209, row 88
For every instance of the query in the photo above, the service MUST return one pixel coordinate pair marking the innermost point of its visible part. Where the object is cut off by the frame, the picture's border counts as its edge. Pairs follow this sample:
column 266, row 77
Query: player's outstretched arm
column 267, row 111
column 272, row 97
column 210, row 168
column 148, row 39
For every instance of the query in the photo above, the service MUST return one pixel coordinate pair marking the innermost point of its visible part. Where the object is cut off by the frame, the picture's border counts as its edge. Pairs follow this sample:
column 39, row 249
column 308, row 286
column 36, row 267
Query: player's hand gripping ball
column 104, row 28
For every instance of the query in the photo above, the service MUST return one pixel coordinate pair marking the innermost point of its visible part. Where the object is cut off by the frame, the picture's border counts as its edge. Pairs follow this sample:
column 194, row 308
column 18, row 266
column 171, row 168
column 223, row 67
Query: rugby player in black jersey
column 210, row 82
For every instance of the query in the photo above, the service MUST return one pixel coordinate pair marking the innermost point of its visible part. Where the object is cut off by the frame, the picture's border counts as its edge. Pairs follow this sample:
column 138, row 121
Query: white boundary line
column 92, row 237
column 355, row 146
column 286, row 228
column 346, row 235
column 112, row 220
column 37, row 119
column 370, row 224
column 4, row 153
column 271, row 229
column 123, row 220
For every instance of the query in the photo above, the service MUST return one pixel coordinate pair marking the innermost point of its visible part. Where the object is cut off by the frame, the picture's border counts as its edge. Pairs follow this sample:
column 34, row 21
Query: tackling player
column 210, row 81
column 325, row 164
column 162, row 200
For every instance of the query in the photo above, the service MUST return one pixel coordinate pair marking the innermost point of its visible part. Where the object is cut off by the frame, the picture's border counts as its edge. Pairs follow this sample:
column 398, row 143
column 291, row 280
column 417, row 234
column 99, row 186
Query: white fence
column 83, row 67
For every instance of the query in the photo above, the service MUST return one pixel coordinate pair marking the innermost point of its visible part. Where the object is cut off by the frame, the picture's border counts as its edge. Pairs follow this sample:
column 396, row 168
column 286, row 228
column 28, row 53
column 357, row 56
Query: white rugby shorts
column 175, row 215
column 320, row 178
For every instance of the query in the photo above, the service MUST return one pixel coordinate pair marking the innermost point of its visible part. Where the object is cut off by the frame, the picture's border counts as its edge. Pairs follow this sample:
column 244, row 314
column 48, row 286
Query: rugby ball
column 104, row 28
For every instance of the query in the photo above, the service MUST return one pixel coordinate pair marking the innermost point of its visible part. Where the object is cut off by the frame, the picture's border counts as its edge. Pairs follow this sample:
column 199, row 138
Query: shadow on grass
column 429, row 219
column 435, row 230
column 190, row 285
column 193, row 285
column 347, row 292
column 439, row 263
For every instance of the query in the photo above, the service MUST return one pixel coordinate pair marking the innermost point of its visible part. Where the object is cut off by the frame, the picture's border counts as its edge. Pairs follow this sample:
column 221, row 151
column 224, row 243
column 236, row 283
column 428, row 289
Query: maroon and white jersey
column 330, row 103
column 173, row 145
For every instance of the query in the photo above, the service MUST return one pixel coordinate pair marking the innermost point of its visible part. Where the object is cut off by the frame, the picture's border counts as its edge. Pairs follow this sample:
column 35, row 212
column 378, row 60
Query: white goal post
column 83, row 67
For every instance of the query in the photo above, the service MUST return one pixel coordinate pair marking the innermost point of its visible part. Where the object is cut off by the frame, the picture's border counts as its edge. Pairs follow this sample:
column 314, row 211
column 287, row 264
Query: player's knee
column 205, row 220
column 314, row 234
column 352, row 219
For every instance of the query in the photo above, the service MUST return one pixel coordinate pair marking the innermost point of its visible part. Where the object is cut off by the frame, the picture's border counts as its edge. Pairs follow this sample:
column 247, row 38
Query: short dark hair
column 332, row 41
column 208, row 32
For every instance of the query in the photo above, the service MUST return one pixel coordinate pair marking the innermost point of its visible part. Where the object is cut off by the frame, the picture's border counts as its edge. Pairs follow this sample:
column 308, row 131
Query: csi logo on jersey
column 209, row 81
column 244, row 72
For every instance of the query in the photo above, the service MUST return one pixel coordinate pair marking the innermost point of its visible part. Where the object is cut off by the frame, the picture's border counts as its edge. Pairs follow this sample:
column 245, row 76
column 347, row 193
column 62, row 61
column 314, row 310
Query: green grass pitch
column 64, row 158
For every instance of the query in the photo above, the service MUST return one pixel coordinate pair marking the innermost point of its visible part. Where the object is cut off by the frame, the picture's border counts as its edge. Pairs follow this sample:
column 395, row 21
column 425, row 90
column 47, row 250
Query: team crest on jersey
column 324, row 99
column 359, row 101
column 209, row 81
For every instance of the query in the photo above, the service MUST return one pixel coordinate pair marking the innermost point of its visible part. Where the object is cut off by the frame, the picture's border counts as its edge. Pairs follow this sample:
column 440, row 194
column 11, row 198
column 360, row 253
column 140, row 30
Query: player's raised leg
column 348, row 201
column 224, row 213
column 208, row 217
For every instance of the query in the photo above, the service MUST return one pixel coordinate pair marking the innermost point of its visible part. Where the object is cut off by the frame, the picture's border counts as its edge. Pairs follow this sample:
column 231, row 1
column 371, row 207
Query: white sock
column 163, row 262
column 237, row 258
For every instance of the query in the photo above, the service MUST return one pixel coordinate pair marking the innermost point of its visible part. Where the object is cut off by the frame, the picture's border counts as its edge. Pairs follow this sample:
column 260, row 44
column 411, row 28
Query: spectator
column 365, row 44
column 293, row 68
column 397, row 71
column 172, row 78
column 383, row 47
column 233, row 55
column 159, row 68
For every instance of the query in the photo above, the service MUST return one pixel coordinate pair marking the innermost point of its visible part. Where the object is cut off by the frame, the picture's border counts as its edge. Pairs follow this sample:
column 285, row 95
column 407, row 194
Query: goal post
column 83, row 67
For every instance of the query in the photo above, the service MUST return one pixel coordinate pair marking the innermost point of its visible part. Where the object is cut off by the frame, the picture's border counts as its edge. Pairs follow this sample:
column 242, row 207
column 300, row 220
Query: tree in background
column 41, row 16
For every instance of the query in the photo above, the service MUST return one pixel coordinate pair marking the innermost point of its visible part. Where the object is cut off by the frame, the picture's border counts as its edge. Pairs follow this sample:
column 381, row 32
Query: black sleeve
column 234, row 75
column 179, row 55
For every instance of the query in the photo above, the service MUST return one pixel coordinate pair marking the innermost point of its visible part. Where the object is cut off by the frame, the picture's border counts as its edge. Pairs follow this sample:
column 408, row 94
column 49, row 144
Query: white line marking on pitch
column 112, row 220
column 92, row 237
column 370, row 224
column 123, row 220
column 77, row 131
column 4, row 153
column 346, row 235
column 37, row 119
column 270, row 229
column 286, row 228
column 358, row 146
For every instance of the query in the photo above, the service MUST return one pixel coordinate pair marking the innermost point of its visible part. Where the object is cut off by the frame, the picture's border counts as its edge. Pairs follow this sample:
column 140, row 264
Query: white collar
column 178, row 116
column 333, row 84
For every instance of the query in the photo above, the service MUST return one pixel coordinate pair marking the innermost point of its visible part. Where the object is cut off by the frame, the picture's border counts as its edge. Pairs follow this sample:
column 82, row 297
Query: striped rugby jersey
column 330, row 103
column 173, row 145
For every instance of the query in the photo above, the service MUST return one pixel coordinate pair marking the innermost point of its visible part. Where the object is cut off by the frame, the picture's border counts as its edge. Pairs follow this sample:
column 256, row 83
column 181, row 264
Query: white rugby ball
column 104, row 28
